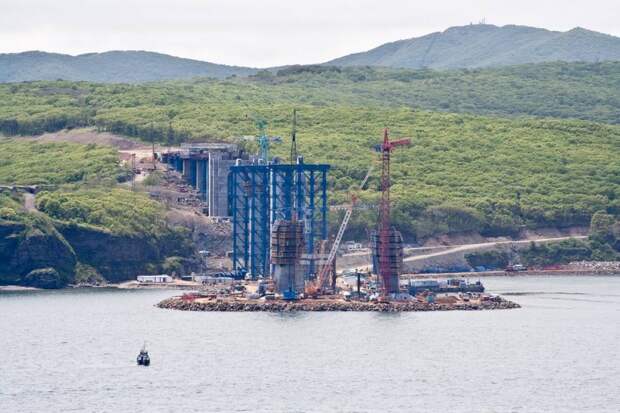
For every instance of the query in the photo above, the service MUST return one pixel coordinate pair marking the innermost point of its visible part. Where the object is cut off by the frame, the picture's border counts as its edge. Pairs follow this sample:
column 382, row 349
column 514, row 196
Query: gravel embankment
column 178, row 303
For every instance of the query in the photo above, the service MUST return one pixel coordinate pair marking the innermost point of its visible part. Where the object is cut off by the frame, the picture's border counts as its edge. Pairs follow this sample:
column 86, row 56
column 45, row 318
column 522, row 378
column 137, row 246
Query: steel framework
column 385, row 270
column 261, row 194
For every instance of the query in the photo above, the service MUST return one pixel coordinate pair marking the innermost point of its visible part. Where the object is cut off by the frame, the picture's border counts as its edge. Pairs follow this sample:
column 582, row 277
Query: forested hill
column 485, row 45
column 472, row 46
column 587, row 91
column 113, row 66
column 464, row 172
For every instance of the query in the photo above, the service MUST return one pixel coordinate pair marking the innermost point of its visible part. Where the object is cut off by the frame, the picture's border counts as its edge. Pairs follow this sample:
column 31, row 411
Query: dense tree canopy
column 29, row 162
column 118, row 210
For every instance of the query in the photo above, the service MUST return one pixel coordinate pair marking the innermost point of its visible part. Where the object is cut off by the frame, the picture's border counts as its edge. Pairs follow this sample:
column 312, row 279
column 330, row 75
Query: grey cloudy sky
column 265, row 33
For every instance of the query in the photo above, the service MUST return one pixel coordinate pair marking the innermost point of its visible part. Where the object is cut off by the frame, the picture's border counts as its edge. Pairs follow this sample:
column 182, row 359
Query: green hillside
column 113, row 66
column 486, row 45
column 463, row 171
column 34, row 163
column 116, row 210
column 84, row 222
column 472, row 46
column 563, row 90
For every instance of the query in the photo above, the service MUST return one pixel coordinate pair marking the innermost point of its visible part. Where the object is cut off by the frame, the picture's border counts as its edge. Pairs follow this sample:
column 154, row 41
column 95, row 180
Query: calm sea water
column 74, row 351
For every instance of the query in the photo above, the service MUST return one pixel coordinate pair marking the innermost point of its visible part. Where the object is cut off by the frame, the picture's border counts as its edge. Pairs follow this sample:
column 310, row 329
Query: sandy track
column 482, row 245
column 446, row 250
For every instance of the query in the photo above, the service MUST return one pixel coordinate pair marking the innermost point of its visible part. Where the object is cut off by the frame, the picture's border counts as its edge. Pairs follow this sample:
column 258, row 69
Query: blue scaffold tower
column 260, row 194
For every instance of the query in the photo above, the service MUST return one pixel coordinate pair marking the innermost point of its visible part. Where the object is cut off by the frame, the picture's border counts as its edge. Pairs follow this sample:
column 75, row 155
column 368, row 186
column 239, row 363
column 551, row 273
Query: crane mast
column 385, row 269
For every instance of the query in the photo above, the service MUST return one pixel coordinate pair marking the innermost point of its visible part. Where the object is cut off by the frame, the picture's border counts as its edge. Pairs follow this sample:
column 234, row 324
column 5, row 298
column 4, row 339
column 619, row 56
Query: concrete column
column 186, row 169
column 200, row 177
column 214, row 161
column 192, row 172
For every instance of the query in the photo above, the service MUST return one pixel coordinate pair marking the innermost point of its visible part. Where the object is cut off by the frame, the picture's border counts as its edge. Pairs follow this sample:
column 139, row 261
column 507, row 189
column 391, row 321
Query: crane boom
column 401, row 142
column 334, row 250
column 322, row 278
column 366, row 177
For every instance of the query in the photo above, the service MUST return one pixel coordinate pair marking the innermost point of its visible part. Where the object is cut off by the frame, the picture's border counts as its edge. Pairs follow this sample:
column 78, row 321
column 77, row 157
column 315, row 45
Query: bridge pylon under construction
column 260, row 194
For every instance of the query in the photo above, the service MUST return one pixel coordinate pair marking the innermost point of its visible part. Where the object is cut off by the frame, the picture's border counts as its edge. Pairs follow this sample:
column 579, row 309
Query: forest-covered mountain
column 486, row 45
column 473, row 46
column 113, row 66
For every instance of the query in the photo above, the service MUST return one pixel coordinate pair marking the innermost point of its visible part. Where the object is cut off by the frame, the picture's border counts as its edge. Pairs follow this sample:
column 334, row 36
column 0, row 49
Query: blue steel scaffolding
column 259, row 194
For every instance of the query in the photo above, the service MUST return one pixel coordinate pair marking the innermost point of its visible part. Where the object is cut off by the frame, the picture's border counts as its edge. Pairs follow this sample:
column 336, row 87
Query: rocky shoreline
column 228, row 305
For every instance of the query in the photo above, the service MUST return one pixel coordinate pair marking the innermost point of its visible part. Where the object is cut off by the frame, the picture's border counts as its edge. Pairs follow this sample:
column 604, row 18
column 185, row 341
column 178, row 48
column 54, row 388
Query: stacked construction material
column 287, row 245
column 390, row 281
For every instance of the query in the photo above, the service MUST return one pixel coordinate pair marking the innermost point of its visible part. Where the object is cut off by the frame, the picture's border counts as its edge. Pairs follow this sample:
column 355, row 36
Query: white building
column 351, row 246
column 154, row 279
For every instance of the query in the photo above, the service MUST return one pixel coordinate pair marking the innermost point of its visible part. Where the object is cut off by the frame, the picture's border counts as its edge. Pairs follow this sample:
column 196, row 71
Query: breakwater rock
column 179, row 303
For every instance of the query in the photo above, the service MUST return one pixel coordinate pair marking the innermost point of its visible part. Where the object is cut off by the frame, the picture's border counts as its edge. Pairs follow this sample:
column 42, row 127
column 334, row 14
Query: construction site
column 282, row 256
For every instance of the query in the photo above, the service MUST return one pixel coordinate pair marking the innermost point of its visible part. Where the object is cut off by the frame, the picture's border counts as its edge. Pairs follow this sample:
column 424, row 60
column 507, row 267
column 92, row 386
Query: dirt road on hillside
column 29, row 202
column 446, row 250
column 482, row 245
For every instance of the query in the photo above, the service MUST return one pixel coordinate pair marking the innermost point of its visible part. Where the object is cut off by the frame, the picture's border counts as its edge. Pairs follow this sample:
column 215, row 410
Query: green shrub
column 85, row 274
column 45, row 278
column 153, row 179
column 7, row 213
column 488, row 259
column 173, row 265
column 118, row 210
column 557, row 253
column 30, row 162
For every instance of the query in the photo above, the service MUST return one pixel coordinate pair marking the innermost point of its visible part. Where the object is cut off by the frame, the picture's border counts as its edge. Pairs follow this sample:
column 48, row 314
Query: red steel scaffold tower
column 385, row 266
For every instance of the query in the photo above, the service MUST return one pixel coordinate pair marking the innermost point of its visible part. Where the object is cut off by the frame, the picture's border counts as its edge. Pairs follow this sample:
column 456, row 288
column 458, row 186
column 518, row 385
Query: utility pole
column 133, row 172
column 294, row 139
column 152, row 137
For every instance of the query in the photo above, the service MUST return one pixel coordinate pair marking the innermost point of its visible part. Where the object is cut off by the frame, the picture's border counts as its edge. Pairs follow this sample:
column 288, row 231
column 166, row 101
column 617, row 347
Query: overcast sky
column 265, row 33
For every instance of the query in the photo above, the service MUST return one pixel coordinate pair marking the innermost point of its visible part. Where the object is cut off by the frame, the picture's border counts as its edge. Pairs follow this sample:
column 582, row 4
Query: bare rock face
column 122, row 257
column 33, row 253
column 117, row 258
column 38, row 252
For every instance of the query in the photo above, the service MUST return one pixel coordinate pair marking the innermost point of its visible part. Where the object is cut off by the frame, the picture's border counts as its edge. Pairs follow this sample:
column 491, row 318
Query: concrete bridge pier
column 186, row 167
column 201, row 174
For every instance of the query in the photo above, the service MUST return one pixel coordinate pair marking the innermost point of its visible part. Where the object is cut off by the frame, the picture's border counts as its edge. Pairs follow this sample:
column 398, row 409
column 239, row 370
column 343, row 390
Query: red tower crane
column 384, row 211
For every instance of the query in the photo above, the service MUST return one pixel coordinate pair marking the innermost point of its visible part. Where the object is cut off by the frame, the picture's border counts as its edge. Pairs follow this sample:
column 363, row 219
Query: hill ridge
column 122, row 66
column 458, row 47
column 487, row 45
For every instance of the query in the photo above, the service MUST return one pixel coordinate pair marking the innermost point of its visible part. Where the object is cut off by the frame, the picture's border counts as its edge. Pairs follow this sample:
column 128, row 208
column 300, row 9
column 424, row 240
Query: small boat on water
column 143, row 358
